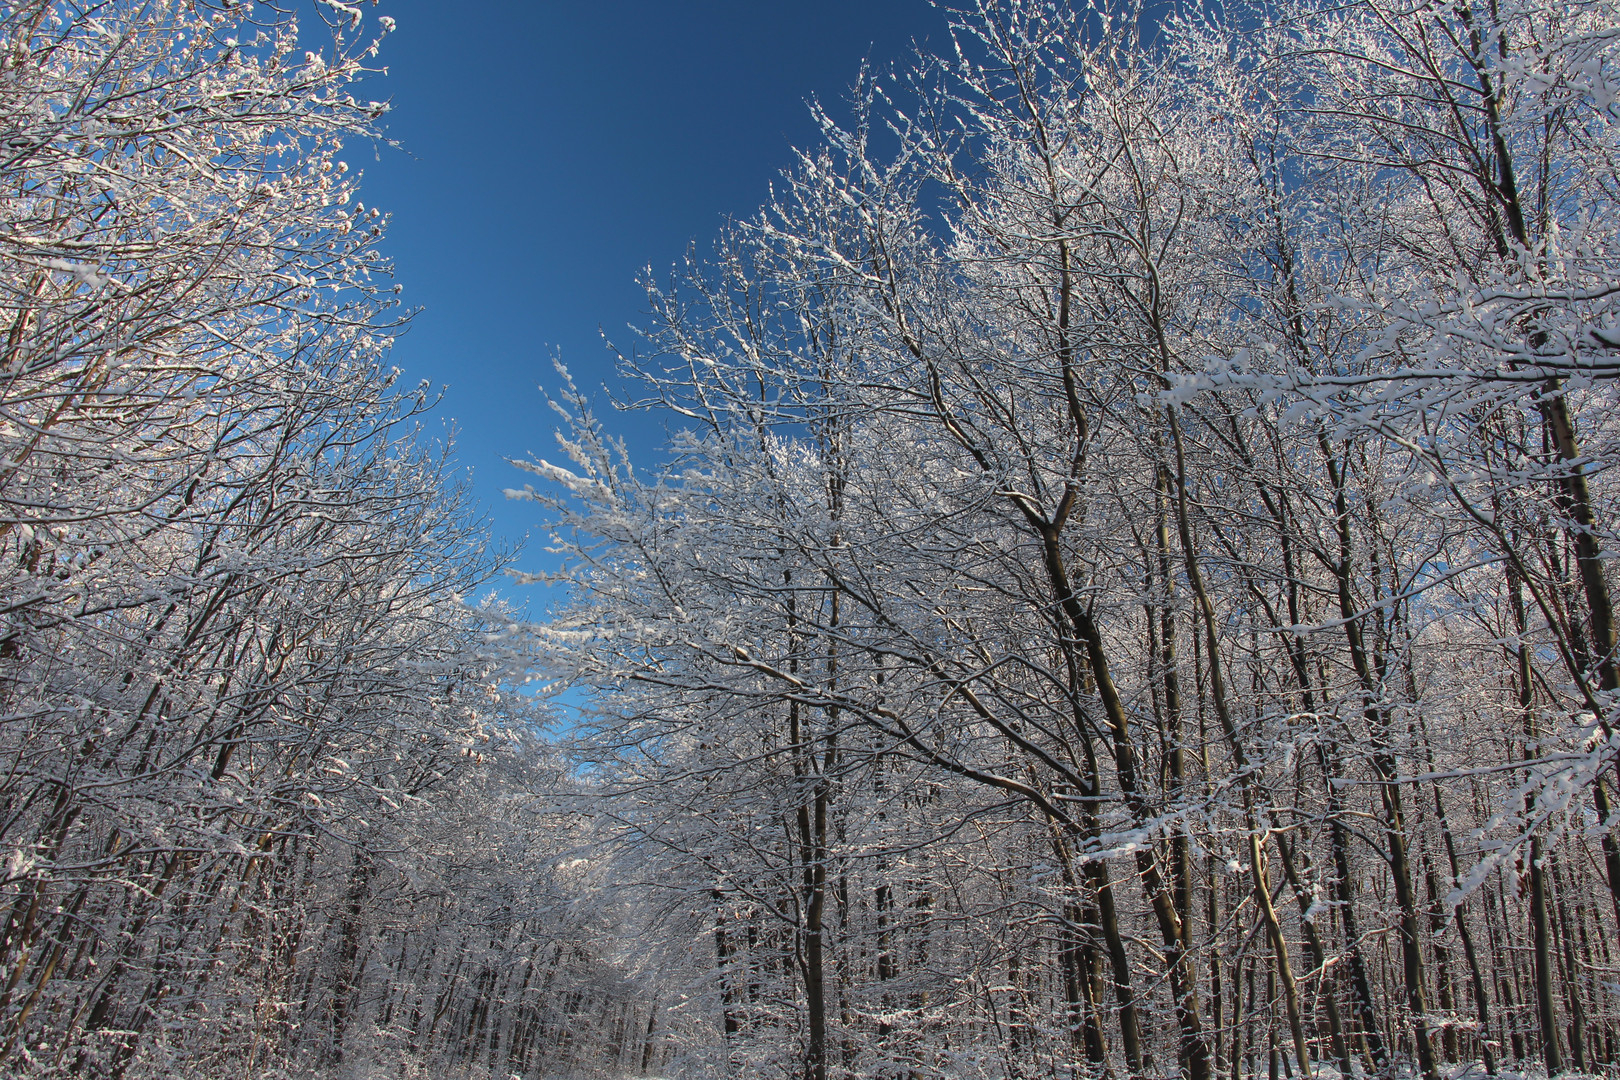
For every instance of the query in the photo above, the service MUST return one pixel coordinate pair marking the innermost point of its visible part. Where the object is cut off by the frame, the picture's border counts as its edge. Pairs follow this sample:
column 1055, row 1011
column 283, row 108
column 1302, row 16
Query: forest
column 1129, row 591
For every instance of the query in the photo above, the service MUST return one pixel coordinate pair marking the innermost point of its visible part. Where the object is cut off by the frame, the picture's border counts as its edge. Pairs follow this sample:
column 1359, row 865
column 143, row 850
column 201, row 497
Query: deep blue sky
column 550, row 150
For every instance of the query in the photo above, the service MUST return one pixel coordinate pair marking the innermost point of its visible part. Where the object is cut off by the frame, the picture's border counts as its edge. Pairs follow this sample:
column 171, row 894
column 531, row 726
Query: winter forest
column 1129, row 592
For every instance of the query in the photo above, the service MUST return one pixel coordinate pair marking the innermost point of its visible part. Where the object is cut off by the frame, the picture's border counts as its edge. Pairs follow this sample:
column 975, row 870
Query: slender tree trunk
column 1572, row 974
column 1384, row 767
column 1313, row 944
column 1223, row 713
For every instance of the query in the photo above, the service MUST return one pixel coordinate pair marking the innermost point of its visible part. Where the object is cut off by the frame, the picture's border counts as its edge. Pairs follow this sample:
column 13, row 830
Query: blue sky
column 551, row 150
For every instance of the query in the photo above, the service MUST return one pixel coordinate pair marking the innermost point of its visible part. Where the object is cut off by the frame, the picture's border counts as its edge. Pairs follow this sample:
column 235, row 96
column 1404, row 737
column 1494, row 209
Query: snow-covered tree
column 241, row 673
column 1160, row 502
